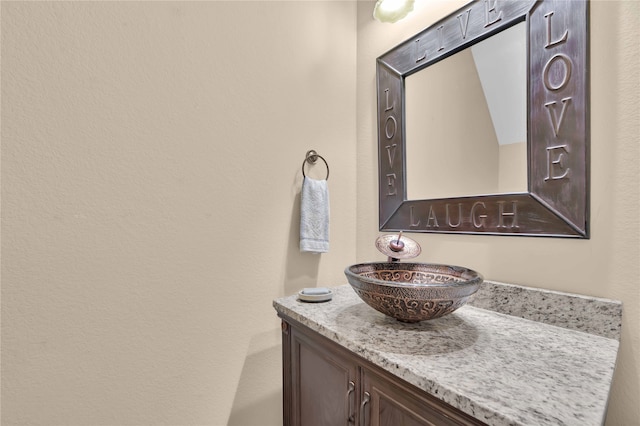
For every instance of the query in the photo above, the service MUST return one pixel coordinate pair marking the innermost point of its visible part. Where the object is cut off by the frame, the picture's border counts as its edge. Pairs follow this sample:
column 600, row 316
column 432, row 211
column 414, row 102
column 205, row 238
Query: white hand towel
column 314, row 216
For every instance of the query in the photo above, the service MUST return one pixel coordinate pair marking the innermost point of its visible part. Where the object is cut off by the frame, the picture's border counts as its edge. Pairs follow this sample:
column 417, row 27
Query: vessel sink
column 412, row 292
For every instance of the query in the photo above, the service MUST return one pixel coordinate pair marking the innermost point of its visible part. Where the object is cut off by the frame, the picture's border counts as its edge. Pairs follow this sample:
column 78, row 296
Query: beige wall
column 607, row 265
column 512, row 176
column 151, row 156
column 441, row 119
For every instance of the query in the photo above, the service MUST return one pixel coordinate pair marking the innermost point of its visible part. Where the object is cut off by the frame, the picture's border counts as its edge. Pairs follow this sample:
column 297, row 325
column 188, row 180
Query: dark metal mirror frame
column 556, row 203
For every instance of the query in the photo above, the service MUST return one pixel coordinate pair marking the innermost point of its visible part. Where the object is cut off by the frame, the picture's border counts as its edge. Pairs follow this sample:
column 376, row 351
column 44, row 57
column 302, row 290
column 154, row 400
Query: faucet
column 396, row 248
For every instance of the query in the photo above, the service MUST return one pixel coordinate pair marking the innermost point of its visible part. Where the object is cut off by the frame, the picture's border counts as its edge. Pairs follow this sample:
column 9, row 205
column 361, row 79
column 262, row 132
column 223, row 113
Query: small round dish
column 315, row 298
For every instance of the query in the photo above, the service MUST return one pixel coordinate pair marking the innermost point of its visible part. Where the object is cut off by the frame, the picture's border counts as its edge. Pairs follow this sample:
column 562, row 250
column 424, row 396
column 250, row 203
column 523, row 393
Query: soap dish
column 315, row 295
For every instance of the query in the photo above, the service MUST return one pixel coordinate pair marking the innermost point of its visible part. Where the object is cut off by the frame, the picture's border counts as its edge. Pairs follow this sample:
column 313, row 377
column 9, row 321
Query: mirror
column 478, row 117
column 483, row 122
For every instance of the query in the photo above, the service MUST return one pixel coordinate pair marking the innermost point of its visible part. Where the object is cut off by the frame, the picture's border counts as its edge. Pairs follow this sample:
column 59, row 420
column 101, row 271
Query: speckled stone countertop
column 514, row 356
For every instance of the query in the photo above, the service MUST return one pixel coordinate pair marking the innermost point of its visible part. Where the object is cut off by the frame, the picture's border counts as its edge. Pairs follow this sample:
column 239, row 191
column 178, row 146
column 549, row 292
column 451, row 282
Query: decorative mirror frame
column 556, row 203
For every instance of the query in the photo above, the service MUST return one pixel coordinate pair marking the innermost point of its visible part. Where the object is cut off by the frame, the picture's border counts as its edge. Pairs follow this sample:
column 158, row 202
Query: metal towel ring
column 311, row 158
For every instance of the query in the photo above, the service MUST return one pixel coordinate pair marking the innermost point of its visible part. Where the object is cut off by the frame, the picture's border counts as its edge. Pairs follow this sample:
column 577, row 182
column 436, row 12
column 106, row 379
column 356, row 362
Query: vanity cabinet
column 516, row 355
column 324, row 384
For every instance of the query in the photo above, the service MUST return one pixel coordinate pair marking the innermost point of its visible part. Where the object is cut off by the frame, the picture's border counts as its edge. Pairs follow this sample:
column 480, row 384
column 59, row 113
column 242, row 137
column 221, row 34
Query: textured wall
column 607, row 265
column 150, row 179
column 151, row 156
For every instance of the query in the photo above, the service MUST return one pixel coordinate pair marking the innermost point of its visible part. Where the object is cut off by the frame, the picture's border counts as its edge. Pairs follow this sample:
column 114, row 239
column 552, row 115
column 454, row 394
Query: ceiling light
column 392, row 10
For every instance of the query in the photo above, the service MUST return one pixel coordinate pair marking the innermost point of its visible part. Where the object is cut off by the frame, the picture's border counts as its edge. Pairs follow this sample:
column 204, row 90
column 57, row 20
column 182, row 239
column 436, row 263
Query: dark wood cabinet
column 393, row 402
column 323, row 384
column 328, row 385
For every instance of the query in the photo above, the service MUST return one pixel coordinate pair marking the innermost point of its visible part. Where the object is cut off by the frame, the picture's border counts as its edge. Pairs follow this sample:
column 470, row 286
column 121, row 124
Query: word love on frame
column 557, row 197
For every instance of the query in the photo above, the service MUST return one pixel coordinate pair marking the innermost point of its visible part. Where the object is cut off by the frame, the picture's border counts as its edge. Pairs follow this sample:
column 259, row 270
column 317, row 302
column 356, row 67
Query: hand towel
column 314, row 216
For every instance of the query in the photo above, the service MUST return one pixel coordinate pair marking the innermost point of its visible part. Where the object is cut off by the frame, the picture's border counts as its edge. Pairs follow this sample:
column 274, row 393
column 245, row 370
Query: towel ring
column 311, row 158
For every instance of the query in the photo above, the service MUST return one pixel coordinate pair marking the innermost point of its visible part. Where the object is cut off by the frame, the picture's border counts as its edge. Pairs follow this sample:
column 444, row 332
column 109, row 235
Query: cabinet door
column 323, row 384
column 390, row 402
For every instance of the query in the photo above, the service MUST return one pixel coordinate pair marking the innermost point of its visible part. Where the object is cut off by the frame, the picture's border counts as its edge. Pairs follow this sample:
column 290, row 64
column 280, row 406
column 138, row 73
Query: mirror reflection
column 469, row 138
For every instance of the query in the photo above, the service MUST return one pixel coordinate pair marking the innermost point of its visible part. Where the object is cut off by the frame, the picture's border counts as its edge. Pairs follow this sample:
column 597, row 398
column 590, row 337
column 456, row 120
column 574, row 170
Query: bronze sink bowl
column 412, row 292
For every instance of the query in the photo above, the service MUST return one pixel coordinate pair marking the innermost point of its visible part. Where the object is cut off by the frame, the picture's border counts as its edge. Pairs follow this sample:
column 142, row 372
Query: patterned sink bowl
column 412, row 292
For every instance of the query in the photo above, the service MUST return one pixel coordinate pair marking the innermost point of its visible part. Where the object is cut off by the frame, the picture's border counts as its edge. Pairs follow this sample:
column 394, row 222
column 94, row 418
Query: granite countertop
column 515, row 356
